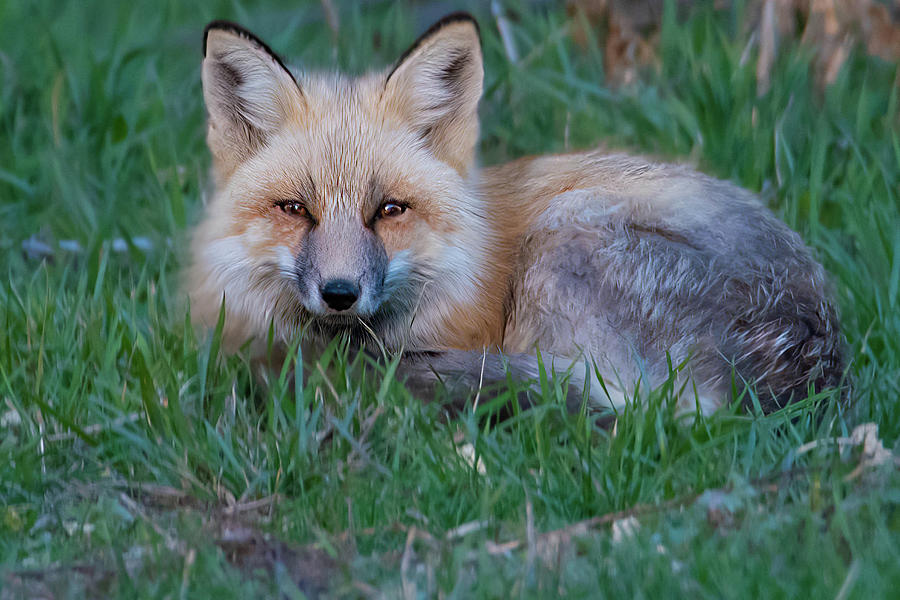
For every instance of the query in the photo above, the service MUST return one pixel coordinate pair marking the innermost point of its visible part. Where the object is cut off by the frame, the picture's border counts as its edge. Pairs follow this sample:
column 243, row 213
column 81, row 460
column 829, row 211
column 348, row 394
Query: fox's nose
column 339, row 294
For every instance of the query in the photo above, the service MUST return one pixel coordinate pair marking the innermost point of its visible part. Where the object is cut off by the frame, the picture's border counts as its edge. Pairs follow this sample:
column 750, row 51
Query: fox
column 354, row 207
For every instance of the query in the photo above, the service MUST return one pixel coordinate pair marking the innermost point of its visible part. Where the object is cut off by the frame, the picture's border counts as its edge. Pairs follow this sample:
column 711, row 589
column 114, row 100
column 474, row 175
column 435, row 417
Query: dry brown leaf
column 629, row 32
column 824, row 31
column 881, row 30
column 865, row 437
column 767, row 46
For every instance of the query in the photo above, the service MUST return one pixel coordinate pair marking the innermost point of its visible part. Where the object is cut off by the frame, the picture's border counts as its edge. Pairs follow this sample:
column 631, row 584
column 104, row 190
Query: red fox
column 354, row 206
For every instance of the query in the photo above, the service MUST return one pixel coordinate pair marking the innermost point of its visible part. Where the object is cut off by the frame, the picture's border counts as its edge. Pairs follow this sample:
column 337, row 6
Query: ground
column 136, row 461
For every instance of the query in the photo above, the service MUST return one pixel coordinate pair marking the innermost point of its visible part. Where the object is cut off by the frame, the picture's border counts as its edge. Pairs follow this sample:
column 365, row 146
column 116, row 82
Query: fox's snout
column 341, row 268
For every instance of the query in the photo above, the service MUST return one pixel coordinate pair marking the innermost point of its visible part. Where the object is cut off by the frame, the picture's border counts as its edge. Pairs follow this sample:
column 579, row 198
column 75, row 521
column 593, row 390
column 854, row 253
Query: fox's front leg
column 463, row 375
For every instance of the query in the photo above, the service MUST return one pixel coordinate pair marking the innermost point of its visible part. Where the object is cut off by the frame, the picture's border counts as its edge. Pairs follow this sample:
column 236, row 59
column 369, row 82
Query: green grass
column 137, row 461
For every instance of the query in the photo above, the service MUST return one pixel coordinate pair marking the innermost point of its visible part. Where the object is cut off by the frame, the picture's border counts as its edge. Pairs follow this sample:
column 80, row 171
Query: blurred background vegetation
column 136, row 461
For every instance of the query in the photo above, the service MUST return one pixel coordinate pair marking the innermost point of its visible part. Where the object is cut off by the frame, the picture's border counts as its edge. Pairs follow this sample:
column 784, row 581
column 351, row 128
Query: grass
column 137, row 461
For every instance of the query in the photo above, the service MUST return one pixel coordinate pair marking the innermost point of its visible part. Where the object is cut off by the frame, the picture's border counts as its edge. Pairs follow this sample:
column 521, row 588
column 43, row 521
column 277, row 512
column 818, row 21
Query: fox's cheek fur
column 422, row 262
column 254, row 285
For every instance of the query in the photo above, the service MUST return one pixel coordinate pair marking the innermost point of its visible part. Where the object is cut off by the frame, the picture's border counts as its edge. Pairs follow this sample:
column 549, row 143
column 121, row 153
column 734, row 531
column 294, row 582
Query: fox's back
column 638, row 264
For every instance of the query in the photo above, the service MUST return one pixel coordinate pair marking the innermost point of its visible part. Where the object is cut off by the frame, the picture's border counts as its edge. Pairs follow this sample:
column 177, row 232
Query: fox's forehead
column 343, row 146
column 344, row 136
column 343, row 109
column 333, row 91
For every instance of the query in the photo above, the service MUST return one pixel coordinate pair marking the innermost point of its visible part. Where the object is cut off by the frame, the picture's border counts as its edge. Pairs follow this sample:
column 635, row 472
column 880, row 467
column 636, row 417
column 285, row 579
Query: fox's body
column 353, row 206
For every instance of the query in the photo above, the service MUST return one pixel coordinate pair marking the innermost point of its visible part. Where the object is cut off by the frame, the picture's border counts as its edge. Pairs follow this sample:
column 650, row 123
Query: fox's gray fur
column 610, row 261
column 727, row 289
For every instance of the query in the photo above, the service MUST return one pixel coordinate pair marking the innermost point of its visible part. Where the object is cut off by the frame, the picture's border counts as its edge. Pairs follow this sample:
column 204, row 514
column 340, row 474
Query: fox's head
column 345, row 203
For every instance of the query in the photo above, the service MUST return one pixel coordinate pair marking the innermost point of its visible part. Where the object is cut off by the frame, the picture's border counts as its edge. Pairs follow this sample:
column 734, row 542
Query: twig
column 505, row 29
column 186, row 572
column 328, row 382
column 849, row 580
column 409, row 587
column 155, row 489
column 366, row 427
column 767, row 48
column 331, row 17
column 465, row 529
column 480, row 380
column 530, row 537
column 242, row 507
column 41, row 443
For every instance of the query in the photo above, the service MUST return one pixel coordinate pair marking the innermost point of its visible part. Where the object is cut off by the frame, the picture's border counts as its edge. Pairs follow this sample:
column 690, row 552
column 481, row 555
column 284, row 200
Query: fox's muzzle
column 340, row 268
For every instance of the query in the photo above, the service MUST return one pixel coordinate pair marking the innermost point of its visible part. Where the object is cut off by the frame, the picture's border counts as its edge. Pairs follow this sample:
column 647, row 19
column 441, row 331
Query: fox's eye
column 292, row 207
column 391, row 209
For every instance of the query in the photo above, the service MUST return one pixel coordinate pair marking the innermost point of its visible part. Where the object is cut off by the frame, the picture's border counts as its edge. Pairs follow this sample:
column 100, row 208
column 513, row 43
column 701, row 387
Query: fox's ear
column 249, row 93
column 436, row 85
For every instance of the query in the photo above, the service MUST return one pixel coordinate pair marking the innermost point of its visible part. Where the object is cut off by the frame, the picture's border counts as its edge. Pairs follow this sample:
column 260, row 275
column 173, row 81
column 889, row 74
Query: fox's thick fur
column 371, row 182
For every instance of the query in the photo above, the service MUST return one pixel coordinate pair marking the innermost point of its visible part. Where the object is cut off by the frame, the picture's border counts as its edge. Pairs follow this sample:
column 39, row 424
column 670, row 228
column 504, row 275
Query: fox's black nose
column 339, row 294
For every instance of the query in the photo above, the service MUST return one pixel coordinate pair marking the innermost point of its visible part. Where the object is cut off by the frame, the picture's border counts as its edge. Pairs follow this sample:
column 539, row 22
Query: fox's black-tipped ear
column 436, row 85
column 249, row 93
